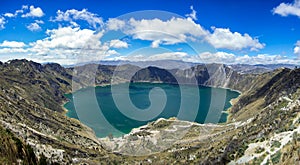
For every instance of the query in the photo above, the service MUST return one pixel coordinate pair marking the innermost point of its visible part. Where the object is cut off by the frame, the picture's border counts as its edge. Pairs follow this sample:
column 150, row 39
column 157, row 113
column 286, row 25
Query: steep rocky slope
column 31, row 96
column 266, row 89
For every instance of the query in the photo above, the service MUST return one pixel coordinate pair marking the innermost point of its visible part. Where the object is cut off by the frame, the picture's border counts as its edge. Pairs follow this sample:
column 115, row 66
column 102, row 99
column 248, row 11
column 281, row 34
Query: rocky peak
column 24, row 64
column 55, row 67
column 153, row 74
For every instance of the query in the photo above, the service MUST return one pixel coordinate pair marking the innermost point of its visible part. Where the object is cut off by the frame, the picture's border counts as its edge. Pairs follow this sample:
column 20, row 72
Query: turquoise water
column 89, row 102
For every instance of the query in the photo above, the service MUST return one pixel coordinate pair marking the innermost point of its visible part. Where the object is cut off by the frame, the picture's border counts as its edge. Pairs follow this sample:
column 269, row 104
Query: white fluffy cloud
column 168, row 56
column 265, row 59
column 9, row 15
column 34, row 12
column 229, row 58
column 12, row 44
column 118, row 44
column 193, row 14
column 155, row 44
column 114, row 24
column 24, row 7
column 175, row 30
column 154, row 57
column 2, row 22
column 180, row 30
column 34, row 27
column 74, row 15
column 67, row 45
column 67, row 38
column 297, row 49
column 27, row 12
column 209, row 57
column 224, row 38
column 39, row 21
column 218, row 57
column 12, row 49
column 285, row 9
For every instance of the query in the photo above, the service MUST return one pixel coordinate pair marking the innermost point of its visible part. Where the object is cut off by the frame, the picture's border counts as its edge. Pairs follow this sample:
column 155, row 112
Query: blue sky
column 74, row 31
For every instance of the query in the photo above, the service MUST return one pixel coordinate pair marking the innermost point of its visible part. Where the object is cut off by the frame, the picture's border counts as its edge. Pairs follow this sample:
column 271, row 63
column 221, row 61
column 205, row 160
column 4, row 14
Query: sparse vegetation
column 276, row 144
column 13, row 149
column 259, row 160
column 276, row 157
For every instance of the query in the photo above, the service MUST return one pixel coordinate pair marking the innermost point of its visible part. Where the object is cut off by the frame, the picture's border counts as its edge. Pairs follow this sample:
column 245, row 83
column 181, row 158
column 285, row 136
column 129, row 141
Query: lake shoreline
column 155, row 82
column 225, row 111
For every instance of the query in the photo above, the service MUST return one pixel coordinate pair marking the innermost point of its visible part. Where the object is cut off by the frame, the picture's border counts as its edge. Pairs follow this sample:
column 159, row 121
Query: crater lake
column 97, row 108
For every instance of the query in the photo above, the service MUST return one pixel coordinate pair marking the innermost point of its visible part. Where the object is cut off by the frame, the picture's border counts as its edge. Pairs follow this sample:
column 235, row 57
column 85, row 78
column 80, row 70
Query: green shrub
column 276, row 157
column 276, row 144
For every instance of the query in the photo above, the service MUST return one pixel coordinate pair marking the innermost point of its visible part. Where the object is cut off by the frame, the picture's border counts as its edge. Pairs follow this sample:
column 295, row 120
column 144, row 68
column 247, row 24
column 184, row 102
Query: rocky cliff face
column 31, row 96
column 44, row 85
column 218, row 75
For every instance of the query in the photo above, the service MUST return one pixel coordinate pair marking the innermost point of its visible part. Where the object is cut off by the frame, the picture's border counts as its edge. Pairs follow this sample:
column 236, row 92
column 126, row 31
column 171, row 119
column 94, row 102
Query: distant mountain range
column 178, row 64
column 260, row 68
